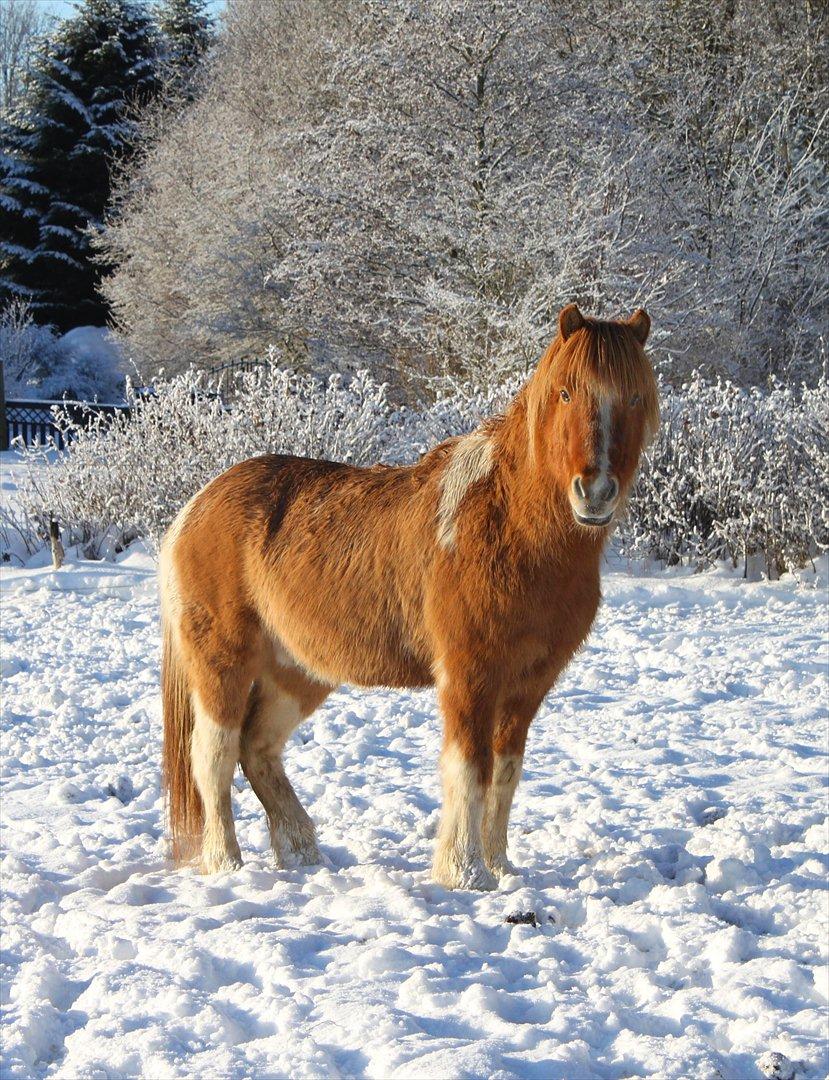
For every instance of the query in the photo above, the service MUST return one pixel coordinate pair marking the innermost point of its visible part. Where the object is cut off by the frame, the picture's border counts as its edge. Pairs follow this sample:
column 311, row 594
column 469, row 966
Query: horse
column 474, row 570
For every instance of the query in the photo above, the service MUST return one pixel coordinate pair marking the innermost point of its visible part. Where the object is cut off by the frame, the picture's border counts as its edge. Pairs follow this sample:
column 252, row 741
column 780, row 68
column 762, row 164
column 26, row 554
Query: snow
column 670, row 919
column 87, row 362
column 95, row 346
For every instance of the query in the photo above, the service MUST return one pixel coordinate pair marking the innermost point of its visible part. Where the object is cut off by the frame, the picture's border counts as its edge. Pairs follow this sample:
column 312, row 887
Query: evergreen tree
column 187, row 33
column 58, row 155
column 20, row 199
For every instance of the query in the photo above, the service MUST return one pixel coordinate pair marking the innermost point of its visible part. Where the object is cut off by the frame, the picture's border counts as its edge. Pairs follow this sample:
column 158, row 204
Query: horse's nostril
column 577, row 484
column 611, row 489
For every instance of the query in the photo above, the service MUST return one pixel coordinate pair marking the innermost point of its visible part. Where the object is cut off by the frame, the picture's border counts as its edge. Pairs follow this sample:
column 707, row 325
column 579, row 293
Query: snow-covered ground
column 671, row 827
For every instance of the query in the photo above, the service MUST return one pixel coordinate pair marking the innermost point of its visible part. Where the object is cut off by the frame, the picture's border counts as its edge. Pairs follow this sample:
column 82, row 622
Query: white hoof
column 297, row 847
column 221, row 864
column 472, row 875
column 502, row 867
column 289, row 858
column 309, row 856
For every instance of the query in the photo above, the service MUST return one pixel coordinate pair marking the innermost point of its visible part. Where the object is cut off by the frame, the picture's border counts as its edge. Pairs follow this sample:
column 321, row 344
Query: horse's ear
column 569, row 321
column 640, row 324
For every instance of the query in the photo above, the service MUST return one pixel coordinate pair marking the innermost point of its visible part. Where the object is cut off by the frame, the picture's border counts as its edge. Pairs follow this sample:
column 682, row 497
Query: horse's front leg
column 514, row 718
column 468, row 708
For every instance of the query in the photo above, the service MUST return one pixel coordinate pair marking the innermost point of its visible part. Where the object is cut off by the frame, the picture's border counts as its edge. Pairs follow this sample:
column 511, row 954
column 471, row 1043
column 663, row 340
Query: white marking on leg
column 471, row 460
column 214, row 751
column 459, row 862
column 505, row 777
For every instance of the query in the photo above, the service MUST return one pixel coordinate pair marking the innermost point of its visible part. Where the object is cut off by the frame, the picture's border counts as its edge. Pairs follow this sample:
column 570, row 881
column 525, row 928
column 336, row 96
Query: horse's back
column 319, row 554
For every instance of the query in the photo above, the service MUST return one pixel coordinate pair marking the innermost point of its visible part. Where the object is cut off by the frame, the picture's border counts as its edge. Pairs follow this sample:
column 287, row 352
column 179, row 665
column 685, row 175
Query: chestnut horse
column 475, row 570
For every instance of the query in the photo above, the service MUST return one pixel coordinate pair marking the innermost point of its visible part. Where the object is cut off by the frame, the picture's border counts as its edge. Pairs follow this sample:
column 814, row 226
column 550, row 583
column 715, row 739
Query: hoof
column 502, row 867
column 288, row 856
column 221, row 864
column 307, row 855
column 474, row 875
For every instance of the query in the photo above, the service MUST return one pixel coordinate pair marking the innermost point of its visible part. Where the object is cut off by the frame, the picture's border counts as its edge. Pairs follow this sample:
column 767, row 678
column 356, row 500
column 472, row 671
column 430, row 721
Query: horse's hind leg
column 214, row 750
column 281, row 700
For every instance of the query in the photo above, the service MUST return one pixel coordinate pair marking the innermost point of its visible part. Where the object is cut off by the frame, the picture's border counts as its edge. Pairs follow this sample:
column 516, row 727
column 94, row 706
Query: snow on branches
column 734, row 474
column 427, row 184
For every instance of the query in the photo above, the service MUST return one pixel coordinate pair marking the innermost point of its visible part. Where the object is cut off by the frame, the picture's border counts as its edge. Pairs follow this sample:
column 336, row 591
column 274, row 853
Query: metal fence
column 32, row 421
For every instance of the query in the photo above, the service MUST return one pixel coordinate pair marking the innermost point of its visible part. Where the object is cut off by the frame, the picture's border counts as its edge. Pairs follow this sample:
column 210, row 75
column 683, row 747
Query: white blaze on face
column 603, row 448
column 598, row 450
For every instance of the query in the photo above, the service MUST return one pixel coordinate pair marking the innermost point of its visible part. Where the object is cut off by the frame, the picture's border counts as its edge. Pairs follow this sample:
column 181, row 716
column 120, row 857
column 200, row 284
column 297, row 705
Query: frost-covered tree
column 58, row 153
column 21, row 22
column 446, row 203
column 210, row 298
column 733, row 96
column 422, row 185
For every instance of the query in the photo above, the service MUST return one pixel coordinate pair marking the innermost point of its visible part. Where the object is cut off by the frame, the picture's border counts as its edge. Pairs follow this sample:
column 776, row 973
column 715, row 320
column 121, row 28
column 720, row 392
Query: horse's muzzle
column 594, row 503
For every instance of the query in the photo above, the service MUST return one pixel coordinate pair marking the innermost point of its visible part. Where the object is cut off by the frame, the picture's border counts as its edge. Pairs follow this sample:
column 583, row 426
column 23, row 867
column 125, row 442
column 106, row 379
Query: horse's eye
column 565, row 397
column 634, row 401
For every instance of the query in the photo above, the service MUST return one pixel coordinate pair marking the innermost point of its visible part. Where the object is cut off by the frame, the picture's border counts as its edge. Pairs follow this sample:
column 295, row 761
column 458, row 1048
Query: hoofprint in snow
column 670, row 919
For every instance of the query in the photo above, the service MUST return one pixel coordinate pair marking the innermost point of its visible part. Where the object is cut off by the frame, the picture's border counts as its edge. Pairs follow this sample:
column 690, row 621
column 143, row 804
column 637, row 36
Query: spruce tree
column 21, row 200
column 58, row 156
column 187, row 33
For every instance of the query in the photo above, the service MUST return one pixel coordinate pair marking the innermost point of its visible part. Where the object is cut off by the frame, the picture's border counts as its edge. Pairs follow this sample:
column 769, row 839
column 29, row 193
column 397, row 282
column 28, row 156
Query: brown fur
column 312, row 573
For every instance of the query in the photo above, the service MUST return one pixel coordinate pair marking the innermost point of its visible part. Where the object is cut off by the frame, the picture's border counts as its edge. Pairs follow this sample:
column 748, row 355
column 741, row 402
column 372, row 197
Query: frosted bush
column 733, row 473
column 86, row 363
column 27, row 351
column 90, row 366
column 456, row 409
column 127, row 477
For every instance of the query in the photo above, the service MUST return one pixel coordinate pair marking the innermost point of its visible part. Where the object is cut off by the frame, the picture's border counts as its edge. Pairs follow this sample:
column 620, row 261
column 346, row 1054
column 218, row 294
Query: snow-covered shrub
column 27, row 351
column 90, row 367
column 456, row 410
column 733, row 474
column 86, row 363
column 127, row 477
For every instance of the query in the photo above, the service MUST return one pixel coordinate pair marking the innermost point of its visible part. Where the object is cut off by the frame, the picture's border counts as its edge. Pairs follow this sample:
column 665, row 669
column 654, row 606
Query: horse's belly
column 341, row 643
column 335, row 662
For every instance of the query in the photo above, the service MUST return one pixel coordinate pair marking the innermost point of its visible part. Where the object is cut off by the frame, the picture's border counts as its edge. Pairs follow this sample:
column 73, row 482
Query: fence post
column 57, row 546
column 4, row 429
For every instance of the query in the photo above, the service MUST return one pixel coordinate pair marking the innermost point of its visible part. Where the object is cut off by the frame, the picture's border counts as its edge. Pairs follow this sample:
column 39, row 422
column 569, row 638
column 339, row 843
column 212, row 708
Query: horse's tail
column 184, row 806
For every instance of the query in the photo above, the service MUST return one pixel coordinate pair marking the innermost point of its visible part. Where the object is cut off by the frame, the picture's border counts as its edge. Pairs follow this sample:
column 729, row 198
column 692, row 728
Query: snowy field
column 671, row 827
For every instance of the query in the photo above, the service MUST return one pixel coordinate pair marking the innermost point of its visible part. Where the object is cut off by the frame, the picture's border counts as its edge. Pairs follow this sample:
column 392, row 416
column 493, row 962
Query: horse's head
column 593, row 406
